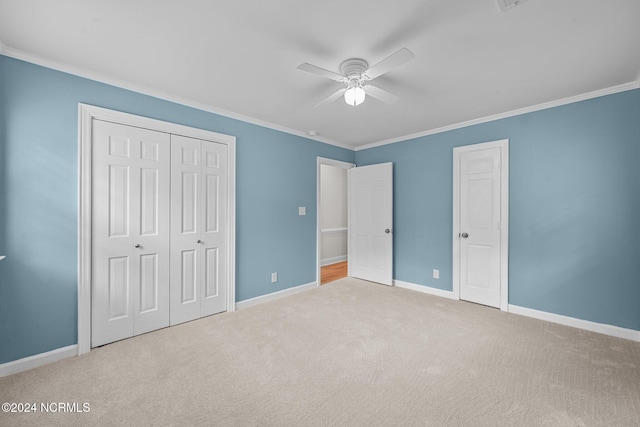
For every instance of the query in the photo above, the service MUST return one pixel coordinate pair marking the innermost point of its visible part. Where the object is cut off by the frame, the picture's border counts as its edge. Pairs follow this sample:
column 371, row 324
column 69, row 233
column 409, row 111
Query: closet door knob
column 465, row 235
column 199, row 241
column 137, row 245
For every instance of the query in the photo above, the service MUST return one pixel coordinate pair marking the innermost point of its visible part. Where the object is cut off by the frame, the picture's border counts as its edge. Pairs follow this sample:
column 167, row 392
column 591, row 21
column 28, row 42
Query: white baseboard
column 333, row 260
column 37, row 360
column 602, row 328
column 41, row 359
column 275, row 295
column 424, row 289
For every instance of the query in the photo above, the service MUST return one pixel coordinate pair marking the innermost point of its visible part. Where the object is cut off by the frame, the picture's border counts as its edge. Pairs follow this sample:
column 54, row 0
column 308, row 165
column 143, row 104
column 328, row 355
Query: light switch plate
column 302, row 210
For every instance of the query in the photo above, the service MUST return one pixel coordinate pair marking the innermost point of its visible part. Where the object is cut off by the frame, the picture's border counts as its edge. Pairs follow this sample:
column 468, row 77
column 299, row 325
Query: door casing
column 329, row 162
column 503, row 144
column 86, row 114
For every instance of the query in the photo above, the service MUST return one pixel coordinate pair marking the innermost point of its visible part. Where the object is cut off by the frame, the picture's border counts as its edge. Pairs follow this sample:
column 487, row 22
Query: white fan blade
column 390, row 62
column 379, row 94
column 320, row 71
column 337, row 94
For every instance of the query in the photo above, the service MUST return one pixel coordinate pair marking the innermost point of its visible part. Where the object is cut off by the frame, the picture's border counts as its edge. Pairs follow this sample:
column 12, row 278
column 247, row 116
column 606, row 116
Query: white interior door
column 199, row 216
column 130, row 292
column 480, row 225
column 371, row 223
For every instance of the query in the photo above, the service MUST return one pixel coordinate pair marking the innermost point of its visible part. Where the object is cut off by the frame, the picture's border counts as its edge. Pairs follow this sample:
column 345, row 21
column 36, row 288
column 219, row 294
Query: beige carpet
column 350, row 353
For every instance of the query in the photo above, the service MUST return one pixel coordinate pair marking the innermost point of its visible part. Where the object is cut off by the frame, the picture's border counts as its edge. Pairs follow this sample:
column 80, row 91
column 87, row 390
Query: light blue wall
column 276, row 173
column 574, row 196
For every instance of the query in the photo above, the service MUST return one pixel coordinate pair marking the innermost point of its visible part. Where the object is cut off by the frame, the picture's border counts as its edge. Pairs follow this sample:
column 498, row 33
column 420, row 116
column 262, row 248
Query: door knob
column 464, row 235
column 137, row 245
column 387, row 231
column 199, row 241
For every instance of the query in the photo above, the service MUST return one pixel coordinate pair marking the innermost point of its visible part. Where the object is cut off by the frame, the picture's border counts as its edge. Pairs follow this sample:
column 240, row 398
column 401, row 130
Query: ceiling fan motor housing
column 354, row 68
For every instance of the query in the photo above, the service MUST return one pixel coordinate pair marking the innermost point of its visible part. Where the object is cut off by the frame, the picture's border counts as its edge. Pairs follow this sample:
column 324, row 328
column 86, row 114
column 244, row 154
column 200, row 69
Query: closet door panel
column 189, row 207
column 215, row 172
column 212, row 203
column 211, row 289
column 149, row 283
column 189, row 277
column 130, row 231
column 118, row 288
column 119, row 200
column 186, row 277
column 150, row 202
column 198, row 209
column 112, row 313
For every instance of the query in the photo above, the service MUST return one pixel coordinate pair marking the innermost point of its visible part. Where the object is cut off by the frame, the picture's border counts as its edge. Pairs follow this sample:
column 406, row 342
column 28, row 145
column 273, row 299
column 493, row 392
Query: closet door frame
column 87, row 114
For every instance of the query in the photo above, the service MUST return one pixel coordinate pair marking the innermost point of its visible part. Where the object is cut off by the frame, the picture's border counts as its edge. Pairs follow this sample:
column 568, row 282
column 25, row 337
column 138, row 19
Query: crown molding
column 91, row 75
column 23, row 56
column 545, row 105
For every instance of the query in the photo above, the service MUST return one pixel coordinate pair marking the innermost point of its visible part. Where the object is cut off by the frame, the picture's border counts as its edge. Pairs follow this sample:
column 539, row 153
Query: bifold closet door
column 199, row 212
column 130, row 238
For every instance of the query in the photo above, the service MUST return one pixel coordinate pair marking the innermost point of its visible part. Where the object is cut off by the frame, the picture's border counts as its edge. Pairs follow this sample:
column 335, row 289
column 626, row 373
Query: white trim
column 601, row 328
column 52, row 356
column 425, row 289
column 99, row 113
column 455, row 273
column 503, row 144
column 545, row 105
column 88, row 113
column 84, row 229
column 333, row 260
column 335, row 163
column 81, row 72
column 77, row 71
column 329, row 162
column 37, row 360
column 275, row 295
column 231, row 227
column 334, row 230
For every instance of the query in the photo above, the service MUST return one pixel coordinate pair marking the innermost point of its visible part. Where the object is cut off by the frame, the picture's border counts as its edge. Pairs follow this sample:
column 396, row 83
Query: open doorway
column 332, row 220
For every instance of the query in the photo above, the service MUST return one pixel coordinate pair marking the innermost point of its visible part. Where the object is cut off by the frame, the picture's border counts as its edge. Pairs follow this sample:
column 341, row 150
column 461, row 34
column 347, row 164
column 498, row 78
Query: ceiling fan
column 355, row 72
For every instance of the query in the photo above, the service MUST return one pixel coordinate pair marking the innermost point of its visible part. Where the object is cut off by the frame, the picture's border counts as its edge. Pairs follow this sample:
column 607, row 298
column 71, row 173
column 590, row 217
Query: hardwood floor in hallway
column 332, row 272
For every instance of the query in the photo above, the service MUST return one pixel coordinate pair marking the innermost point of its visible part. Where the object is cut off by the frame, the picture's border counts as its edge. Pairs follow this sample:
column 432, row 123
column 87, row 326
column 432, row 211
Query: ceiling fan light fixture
column 355, row 95
column 354, row 72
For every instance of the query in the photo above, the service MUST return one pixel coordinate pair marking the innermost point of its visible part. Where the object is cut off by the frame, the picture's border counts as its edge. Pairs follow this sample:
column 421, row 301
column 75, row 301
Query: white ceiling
column 239, row 57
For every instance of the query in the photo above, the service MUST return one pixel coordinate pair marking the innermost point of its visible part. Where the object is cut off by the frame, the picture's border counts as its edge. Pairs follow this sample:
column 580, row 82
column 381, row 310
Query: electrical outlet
column 274, row 277
column 436, row 274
